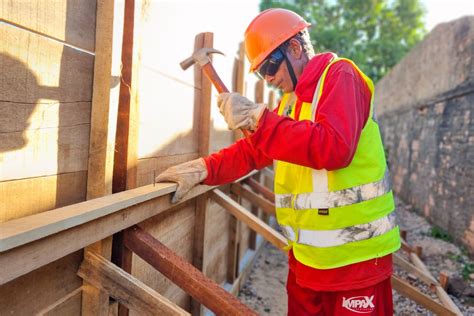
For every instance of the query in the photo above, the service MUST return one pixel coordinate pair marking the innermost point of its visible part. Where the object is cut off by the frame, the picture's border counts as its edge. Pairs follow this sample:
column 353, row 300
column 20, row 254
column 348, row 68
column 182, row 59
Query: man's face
column 281, row 79
column 273, row 71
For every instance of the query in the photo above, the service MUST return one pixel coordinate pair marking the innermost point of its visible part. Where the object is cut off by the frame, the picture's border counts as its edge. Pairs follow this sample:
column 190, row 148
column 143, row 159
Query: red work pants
column 372, row 300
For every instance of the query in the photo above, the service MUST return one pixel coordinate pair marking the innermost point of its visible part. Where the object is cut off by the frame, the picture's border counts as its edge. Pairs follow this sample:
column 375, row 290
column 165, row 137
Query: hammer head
column 201, row 56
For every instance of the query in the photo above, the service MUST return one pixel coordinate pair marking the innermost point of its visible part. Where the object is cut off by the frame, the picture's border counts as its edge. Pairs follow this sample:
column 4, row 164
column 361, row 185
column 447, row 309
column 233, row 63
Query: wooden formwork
column 70, row 106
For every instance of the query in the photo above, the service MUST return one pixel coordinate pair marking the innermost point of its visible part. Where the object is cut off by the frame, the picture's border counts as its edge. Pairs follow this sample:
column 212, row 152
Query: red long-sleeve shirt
column 329, row 142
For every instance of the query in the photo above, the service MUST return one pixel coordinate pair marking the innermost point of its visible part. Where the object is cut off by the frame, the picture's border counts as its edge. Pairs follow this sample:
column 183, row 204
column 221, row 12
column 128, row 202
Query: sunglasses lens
column 271, row 65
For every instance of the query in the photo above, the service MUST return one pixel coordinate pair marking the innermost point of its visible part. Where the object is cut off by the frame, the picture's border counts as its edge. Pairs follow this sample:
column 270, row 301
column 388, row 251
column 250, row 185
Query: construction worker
column 333, row 197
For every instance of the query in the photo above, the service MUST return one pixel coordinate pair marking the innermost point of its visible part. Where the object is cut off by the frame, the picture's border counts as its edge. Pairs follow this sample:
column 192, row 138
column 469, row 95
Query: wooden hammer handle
column 220, row 86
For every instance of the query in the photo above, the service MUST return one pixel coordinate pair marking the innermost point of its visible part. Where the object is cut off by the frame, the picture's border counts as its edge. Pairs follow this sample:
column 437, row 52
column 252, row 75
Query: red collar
column 311, row 73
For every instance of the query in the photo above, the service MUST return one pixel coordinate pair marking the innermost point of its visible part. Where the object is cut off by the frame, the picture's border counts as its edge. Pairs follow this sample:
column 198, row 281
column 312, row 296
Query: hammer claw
column 185, row 64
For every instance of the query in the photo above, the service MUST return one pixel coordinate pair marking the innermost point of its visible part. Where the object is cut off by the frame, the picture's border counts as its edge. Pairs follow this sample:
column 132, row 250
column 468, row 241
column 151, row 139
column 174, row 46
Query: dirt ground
column 265, row 290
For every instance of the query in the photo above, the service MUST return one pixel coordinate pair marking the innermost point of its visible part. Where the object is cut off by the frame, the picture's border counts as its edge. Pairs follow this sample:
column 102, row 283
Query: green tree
column 376, row 34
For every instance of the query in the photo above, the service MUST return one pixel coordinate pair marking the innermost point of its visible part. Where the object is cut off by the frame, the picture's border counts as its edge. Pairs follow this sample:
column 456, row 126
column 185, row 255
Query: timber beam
column 244, row 191
column 184, row 274
column 249, row 219
column 257, row 187
column 125, row 288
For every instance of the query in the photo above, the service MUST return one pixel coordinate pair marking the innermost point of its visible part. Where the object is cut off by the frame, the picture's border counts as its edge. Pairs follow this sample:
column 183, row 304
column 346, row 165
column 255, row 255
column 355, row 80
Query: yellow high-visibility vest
column 336, row 218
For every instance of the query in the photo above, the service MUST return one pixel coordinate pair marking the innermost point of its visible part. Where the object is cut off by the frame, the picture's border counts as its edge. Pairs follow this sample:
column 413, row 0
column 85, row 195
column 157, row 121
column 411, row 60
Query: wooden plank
column 67, row 305
column 175, row 229
column 126, row 143
column 44, row 152
column 410, row 268
column 245, row 192
column 238, row 82
column 269, row 195
column 51, row 235
column 125, row 160
column 19, row 117
column 259, row 90
column 67, row 21
column 125, row 288
column 44, row 194
column 413, row 293
column 95, row 301
column 184, row 274
column 65, row 230
column 107, row 66
column 249, row 219
column 43, row 289
column 29, row 75
column 22, row 231
column 202, row 102
column 272, row 100
column 442, row 295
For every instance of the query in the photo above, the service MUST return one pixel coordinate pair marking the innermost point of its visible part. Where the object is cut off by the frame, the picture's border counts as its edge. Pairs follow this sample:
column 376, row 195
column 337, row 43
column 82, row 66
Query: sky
column 438, row 11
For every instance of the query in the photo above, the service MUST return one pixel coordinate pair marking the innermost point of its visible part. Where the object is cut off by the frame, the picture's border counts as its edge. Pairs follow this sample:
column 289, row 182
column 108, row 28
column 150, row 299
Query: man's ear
column 295, row 48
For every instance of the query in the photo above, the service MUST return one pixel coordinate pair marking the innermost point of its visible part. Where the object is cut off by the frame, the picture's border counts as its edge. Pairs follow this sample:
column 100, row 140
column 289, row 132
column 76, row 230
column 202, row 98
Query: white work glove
column 186, row 175
column 239, row 112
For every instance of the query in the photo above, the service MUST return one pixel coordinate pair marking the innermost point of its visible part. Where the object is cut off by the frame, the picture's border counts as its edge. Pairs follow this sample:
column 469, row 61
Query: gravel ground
column 265, row 290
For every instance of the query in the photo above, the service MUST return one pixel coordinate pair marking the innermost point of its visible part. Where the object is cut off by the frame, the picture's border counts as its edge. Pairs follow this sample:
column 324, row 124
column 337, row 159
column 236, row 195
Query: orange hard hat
column 268, row 30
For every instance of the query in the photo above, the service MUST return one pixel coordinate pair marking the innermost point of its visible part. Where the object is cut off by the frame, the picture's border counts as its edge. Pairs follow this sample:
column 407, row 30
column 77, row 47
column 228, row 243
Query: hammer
column 201, row 57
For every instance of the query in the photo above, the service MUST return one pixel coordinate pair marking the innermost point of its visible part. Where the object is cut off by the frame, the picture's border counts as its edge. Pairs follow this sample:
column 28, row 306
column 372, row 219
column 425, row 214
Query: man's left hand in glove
column 239, row 112
column 186, row 175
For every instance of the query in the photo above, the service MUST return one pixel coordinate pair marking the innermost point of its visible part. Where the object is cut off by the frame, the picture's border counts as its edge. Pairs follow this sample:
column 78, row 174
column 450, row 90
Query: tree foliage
column 376, row 34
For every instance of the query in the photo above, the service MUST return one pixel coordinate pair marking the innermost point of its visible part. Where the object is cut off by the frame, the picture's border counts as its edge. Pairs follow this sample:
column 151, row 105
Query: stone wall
column 425, row 107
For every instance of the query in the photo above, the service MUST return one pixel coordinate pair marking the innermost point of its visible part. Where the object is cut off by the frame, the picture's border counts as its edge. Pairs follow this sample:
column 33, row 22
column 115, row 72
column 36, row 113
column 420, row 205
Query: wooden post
column 202, row 99
column 443, row 280
column 259, row 91
column 183, row 274
column 108, row 47
column 125, row 288
column 125, row 160
column 271, row 100
column 234, row 225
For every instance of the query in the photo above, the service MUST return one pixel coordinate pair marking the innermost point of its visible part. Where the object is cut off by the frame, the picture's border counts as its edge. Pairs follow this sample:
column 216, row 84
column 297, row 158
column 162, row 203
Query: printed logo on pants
column 359, row 304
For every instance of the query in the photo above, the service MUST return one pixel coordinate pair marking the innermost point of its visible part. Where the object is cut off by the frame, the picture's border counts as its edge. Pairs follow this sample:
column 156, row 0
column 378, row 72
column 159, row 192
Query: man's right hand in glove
column 239, row 112
column 186, row 175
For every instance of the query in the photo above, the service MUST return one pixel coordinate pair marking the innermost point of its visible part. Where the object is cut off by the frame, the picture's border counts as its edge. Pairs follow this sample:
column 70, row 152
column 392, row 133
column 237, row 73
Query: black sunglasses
column 270, row 66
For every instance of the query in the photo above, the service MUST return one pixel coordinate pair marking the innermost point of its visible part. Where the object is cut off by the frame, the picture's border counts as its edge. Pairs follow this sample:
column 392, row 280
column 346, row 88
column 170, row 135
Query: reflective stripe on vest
column 337, row 237
column 321, row 200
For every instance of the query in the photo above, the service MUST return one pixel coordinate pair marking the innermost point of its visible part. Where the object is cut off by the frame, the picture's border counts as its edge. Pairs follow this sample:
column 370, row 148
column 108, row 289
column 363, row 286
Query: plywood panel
column 18, row 117
column 44, row 152
column 30, row 196
column 175, row 229
column 41, row 288
column 69, row 21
